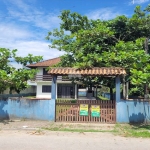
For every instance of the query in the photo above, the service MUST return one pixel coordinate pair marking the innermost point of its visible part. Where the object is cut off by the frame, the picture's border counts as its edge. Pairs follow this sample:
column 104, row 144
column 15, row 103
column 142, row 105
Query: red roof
column 46, row 63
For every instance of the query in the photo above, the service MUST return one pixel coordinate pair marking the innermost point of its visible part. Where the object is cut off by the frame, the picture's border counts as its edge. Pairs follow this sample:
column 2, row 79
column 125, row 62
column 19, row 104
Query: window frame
column 46, row 88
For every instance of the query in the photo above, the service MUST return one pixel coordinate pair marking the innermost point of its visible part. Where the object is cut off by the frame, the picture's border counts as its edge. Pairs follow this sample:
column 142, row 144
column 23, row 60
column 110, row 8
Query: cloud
column 103, row 14
column 28, row 13
column 26, row 41
column 24, row 27
column 138, row 1
column 11, row 32
column 38, row 48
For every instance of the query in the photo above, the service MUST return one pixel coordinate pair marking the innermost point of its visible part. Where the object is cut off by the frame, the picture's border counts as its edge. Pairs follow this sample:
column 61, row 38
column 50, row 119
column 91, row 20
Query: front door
column 65, row 91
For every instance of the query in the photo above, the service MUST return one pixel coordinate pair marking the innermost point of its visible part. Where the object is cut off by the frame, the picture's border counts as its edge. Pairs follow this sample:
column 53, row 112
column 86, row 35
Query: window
column 45, row 72
column 46, row 88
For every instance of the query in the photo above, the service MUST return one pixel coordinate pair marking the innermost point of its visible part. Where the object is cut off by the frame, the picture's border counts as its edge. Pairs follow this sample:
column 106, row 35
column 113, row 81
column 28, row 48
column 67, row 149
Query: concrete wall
column 133, row 111
column 82, row 92
column 29, row 109
column 106, row 95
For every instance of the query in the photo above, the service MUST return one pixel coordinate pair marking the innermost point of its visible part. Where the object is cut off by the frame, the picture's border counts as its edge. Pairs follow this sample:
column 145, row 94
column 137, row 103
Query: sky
column 24, row 24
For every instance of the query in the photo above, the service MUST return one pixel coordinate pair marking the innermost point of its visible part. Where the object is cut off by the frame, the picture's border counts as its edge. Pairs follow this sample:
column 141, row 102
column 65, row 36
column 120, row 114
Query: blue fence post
column 117, row 88
column 54, row 82
column 53, row 96
column 117, row 97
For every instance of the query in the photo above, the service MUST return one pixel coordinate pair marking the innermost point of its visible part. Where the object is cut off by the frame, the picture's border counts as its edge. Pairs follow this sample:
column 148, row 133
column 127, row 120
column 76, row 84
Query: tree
column 12, row 78
column 119, row 42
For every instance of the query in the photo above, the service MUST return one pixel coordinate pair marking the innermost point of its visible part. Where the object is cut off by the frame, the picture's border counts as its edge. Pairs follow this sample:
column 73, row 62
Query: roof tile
column 46, row 63
column 110, row 71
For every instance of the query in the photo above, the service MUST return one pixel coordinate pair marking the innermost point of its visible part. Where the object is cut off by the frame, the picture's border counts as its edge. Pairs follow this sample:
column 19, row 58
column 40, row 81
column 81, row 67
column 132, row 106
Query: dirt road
column 28, row 140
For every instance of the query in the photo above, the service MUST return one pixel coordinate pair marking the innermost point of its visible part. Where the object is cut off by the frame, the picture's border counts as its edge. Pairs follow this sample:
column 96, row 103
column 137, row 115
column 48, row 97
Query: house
column 65, row 87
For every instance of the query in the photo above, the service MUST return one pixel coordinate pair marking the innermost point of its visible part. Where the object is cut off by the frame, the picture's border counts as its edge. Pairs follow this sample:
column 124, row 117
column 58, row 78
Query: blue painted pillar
column 117, row 88
column 53, row 97
column 54, row 82
column 117, row 99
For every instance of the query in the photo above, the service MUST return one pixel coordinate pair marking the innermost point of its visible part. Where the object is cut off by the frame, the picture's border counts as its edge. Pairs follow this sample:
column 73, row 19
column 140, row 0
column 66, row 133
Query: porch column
column 117, row 88
column 119, row 114
column 56, row 89
column 52, row 104
column 75, row 91
column 54, row 85
column 96, row 92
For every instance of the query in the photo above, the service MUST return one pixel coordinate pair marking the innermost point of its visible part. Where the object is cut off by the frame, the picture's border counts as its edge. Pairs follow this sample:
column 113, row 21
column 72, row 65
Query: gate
column 69, row 111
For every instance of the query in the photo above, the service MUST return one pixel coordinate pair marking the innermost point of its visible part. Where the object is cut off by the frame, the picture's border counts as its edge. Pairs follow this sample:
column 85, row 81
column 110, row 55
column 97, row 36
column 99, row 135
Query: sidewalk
column 38, row 124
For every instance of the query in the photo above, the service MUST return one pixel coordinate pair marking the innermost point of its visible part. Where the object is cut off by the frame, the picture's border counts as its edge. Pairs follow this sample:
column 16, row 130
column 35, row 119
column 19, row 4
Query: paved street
column 49, row 140
column 27, row 135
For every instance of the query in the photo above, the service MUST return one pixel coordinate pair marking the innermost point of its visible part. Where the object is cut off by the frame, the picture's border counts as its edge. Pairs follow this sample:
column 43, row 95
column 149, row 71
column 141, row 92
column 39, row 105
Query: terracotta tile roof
column 46, row 63
column 110, row 71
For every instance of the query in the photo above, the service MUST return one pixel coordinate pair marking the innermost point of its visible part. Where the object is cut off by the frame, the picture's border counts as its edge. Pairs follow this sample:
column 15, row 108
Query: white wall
column 39, row 93
column 40, row 71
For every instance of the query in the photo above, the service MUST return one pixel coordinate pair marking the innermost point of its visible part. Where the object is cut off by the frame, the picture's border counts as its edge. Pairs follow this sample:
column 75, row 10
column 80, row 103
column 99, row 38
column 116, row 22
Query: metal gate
column 69, row 111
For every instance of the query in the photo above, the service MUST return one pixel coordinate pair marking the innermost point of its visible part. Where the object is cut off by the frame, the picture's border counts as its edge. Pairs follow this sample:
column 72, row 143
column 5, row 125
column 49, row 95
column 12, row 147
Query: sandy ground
column 13, row 136
column 36, row 124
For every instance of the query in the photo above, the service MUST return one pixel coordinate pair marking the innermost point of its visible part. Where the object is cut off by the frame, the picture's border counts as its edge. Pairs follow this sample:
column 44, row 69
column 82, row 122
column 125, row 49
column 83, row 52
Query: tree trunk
column 127, row 90
column 146, row 92
column 111, row 93
column 124, row 88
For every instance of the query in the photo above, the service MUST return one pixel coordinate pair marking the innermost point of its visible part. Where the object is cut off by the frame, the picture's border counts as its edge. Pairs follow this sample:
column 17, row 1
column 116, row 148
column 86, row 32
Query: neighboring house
column 65, row 87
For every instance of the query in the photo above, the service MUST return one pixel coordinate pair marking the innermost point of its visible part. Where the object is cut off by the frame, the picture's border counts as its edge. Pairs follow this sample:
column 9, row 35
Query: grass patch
column 125, row 130
column 74, row 130
column 29, row 96
column 102, row 98
column 133, row 130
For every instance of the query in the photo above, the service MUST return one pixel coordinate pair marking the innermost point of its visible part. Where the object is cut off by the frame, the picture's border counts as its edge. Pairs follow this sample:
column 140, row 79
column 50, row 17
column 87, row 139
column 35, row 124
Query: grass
column 30, row 96
column 134, row 130
column 74, row 130
column 125, row 130
column 102, row 98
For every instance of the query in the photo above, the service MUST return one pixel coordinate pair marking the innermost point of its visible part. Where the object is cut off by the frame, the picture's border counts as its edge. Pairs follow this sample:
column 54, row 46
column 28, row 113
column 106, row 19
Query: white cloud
column 25, row 27
column 23, row 39
column 26, row 13
column 38, row 48
column 103, row 14
column 11, row 32
column 138, row 1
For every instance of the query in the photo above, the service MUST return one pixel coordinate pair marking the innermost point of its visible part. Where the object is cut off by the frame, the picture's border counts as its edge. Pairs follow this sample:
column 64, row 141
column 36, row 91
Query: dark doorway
column 65, row 91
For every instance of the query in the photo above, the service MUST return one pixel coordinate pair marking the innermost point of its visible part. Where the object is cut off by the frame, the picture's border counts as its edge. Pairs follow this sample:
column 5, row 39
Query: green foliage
column 120, row 42
column 12, row 78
